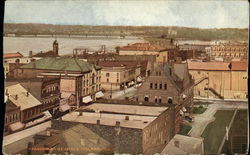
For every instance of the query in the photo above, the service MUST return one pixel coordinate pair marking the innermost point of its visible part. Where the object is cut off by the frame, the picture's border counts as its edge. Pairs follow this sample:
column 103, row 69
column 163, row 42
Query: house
column 78, row 76
column 145, row 49
column 219, row 79
column 130, row 129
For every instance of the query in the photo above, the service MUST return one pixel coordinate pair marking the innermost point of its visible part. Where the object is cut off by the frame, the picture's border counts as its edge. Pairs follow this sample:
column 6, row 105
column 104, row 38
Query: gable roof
column 23, row 100
column 143, row 47
column 61, row 64
column 12, row 55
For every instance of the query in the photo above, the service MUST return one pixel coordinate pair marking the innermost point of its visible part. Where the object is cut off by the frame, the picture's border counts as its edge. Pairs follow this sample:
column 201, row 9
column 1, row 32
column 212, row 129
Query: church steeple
column 55, row 47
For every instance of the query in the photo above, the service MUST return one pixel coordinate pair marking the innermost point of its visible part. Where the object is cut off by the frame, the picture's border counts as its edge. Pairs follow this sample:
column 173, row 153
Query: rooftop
column 126, row 109
column 18, row 96
column 135, row 121
column 143, row 47
column 187, row 145
column 12, row 55
column 218, row 66
column 61, row 64
column 126, row 64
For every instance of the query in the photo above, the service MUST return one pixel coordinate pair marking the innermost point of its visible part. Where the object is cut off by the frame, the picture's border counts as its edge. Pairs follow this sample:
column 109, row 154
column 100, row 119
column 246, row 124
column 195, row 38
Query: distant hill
column 144, row 31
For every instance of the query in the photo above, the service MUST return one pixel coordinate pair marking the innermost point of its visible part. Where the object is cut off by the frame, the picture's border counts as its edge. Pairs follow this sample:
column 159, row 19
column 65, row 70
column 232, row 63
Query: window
column 156, row 100
column 107, row 74
column 117, row 80
column 151, row 85
column 159, row 100
column 160, row 86
column 156, row 73
column 146, row 98
column 155, row 85
column 117, row 74
column 199, row 72
column 107, row 80
column 165, row 86
column 159, row 73
column 170, row 100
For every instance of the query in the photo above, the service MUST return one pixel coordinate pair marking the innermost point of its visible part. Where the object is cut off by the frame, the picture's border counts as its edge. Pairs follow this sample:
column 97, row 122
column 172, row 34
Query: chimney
column 127, row 118
column 30, row 54
column 27, row 93
column 177, row 143
column 80, row 113
column 16, row 97
column 98, row 122
column 117, row 124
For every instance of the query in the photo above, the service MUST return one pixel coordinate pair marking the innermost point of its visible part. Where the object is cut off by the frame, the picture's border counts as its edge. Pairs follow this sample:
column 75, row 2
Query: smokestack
column 16, row 97
column 117, row 124
column 30, row 54
column 98, row 122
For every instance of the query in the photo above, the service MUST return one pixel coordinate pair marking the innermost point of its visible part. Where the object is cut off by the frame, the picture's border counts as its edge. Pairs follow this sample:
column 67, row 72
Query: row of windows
column 86, row 83
column 227, row 49
column 32, row 112
column 12, row 118
column 51, row 89
column 117, row 80
column 229, row 54
column 158, row 99
column 86, row 91
column 158, row 73
column 156, row 86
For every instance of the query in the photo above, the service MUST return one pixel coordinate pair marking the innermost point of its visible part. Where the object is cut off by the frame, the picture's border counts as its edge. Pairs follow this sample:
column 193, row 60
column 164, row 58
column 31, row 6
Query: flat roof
column 126, row 109
column 136, row 122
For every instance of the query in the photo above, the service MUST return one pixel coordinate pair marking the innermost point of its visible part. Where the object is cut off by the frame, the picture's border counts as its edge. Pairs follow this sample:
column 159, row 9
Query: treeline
column 154, row 31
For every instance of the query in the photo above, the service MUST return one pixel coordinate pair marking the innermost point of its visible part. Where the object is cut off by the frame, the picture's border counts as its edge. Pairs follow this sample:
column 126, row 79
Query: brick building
column 46, row 90
column 117, row 75
column 167, row 84
column 145, row 49
column 130, row 129
column 221, row 77
column 228, row 51
column 51, row 53
column 77, row 76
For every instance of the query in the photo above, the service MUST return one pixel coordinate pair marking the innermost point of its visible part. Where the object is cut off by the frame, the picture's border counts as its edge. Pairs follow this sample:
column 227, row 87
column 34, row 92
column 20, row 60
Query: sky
column 188, row 13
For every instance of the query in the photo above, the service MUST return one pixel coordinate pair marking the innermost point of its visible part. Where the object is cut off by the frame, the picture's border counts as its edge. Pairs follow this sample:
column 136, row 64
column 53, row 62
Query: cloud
column 204, row 14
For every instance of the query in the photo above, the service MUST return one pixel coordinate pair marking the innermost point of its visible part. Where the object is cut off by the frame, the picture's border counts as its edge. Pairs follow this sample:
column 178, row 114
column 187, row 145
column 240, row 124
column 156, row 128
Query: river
column 66, row 45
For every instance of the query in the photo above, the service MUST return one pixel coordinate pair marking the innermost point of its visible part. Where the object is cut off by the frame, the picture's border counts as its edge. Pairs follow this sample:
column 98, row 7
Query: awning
column 99, row 94
column 86, row 99
column 16, row 126
column 64, row 107
column 184, row 109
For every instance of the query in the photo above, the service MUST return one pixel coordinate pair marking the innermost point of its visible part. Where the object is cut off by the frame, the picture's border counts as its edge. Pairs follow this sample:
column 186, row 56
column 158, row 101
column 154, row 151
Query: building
column 51, row 53
column 76, row 140
column 168, row 84
column 46, row 90
column 184, row 145
column 228, row 51
column 130, row 129
column 217, row 79
column 12, row 117
column 12, row 55
column 117, row 75
column 145, row 49
column 77, row 76
column 30, row 107
column 12, row 64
